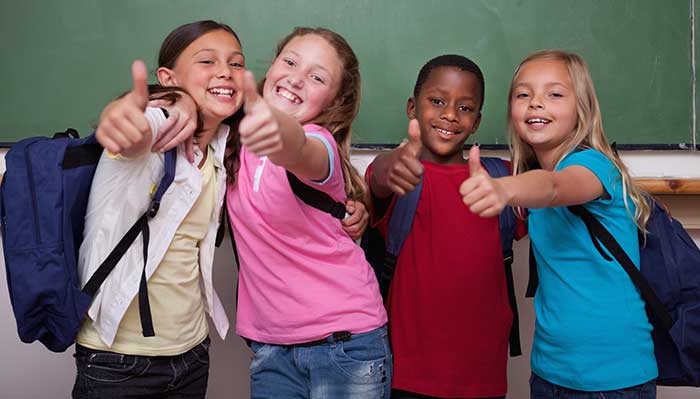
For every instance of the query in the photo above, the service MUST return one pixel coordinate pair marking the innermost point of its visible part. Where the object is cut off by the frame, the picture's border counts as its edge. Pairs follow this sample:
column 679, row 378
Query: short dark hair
column 449, row 60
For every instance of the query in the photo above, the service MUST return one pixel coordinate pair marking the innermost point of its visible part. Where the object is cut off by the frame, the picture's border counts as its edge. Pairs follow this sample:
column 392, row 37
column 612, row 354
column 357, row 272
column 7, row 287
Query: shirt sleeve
column 602, row 167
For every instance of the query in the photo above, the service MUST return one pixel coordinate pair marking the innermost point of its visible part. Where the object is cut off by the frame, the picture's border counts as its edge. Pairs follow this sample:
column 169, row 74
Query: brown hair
column 338, row 117
column 173, row 45
column 588, row 133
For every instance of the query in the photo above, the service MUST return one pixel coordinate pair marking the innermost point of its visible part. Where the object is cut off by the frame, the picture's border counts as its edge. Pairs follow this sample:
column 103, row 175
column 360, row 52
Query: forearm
column 292, row 139
column 542, row 189
column 378, row 181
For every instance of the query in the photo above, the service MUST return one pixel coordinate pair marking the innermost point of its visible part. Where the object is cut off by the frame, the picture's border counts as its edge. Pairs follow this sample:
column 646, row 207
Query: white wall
column 31, row 372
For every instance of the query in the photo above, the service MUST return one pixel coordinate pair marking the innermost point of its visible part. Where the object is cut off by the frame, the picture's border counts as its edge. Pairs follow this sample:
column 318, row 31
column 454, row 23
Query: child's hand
column 123, row 125
column 181, row 125
column 483, row 194
column 405, row 169
column 259, row 129
column 357, row 222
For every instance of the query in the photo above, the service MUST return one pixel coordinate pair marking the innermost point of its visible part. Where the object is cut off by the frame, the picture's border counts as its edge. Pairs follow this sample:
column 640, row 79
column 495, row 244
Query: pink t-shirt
column 301, row 276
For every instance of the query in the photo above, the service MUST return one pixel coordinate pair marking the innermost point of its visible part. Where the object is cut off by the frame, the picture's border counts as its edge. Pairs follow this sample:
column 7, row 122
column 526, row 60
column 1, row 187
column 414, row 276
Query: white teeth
column 538, row 120
column 221, row 91
column 289, row 95
column 445, row 132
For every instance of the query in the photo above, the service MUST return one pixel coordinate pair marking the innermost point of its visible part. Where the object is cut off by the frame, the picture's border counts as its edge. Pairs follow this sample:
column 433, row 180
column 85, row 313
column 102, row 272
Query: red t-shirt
column 449, row 316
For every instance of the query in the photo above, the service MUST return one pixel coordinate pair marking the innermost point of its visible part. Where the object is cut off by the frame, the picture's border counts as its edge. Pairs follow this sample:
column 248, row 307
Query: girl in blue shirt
column 592, row 335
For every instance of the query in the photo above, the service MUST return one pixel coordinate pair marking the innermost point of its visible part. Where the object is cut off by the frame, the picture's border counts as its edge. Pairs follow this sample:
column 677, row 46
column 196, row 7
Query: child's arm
column 125, row 129
column 487, row 196
column 266, row 131
column 398, row 171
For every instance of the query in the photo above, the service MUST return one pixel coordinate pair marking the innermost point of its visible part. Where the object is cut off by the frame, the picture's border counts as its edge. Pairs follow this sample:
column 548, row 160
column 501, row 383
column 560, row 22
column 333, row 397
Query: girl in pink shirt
column 308, row 302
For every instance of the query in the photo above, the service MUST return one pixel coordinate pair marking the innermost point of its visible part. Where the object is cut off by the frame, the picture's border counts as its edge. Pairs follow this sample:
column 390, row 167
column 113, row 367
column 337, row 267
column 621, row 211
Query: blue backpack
column 384, row 255
column 669, row 282
column 43, row 200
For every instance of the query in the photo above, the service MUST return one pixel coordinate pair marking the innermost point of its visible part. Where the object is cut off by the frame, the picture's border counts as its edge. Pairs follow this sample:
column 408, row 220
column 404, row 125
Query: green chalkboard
column 63, row 60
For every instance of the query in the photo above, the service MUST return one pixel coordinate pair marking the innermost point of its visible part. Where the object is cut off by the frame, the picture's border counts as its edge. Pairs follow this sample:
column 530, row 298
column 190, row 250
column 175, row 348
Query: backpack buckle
column 153, row 209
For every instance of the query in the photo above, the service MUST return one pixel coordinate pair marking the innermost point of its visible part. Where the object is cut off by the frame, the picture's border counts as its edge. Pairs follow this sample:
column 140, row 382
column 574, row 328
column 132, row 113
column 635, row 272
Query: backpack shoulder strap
column 600, row 234
column 316, row 198
column 400, row 224
column 496, row 167
column 140, row 226
column 401, row 219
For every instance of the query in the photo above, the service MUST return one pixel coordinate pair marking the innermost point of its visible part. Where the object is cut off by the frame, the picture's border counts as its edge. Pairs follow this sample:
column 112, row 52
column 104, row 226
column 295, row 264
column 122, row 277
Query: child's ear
column 411, row 108
column 166, row 77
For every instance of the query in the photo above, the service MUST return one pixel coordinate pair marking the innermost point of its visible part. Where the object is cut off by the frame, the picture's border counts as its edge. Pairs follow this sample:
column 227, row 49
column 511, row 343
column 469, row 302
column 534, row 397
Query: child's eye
column 289, row 62
column 317, row 79
column 465, row 108
column 206, row 62
column 436, row 101
column 521, row 95
column 556, row 95
column 236, row 65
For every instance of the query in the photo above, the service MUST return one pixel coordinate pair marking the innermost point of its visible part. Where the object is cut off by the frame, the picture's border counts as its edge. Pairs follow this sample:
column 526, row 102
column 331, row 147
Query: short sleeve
column 601, row 166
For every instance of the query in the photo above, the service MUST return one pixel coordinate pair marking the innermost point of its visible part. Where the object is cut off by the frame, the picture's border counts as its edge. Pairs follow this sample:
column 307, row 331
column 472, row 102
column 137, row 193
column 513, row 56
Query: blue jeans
column 541, row 389
column 359, row 368
column 103, row 374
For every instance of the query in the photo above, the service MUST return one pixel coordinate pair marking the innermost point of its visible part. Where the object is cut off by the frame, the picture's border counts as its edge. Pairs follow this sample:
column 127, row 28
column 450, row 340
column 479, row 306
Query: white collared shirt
column 120, row 194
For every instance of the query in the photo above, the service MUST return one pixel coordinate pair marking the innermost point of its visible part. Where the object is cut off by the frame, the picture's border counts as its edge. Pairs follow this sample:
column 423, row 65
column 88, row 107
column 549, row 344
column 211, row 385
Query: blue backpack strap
column 401, row 219
column 599, row 234
column 496, row 167
column 400, row 225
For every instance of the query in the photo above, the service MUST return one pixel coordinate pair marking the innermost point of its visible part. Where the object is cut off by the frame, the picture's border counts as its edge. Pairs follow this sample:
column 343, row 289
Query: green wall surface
column 62, row 61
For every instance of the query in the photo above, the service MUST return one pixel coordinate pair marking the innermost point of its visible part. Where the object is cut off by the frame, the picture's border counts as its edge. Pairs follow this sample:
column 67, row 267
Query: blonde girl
column 592, row 336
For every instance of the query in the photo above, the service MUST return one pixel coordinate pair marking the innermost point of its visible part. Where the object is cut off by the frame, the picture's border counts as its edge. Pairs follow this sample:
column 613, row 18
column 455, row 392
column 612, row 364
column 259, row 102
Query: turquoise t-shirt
column 591, row 331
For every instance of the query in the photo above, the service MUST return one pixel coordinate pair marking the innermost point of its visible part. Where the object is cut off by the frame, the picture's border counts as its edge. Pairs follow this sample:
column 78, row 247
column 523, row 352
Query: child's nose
column 536, row 102
column 295, row 80
column 449, row 114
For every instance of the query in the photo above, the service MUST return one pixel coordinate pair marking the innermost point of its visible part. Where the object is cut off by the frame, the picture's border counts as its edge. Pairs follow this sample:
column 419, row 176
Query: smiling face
column 211, row 70
column 448, row 110
column 304, row 78
column 543, row 104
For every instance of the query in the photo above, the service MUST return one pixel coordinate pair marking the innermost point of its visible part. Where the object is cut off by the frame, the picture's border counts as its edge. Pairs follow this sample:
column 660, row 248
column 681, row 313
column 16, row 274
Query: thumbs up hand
column 405, row 169
column 484, row 195
column 259, row 129
column 122, row 125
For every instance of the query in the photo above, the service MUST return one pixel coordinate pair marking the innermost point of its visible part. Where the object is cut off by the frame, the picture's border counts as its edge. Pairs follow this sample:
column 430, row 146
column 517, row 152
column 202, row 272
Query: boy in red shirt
column 449, row 315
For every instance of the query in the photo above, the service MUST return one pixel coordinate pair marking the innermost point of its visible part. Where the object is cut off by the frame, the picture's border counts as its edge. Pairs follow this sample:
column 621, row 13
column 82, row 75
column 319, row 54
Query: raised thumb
column 250, row 91
column 475, row 167
column 139, row 88
column 414, row 145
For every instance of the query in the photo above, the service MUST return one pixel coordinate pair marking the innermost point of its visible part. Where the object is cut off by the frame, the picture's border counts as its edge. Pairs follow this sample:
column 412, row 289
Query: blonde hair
column 588, row 133
column 338, row 117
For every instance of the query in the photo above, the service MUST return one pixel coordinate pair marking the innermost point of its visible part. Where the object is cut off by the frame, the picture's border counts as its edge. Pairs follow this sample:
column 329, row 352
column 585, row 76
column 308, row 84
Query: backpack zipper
column 32, row 190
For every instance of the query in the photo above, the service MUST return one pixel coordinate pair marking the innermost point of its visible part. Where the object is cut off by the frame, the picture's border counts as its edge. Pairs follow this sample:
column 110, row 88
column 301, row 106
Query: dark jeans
column 112, row 375
column 542, row 389
column 398, row 394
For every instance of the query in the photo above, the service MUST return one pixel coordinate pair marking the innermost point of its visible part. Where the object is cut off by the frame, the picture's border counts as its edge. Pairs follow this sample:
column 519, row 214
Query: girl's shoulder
column 588, row 157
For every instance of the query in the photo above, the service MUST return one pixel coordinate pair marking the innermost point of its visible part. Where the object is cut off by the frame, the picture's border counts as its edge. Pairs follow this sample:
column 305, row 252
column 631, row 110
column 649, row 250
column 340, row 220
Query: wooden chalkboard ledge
column 669, row 185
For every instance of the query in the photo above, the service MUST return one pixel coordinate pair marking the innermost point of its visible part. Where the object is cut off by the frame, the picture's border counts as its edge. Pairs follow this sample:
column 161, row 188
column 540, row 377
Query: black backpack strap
column 598, row 232
column 534, row 280
column 496, row 167
column 316, row 198
column 140, row 226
